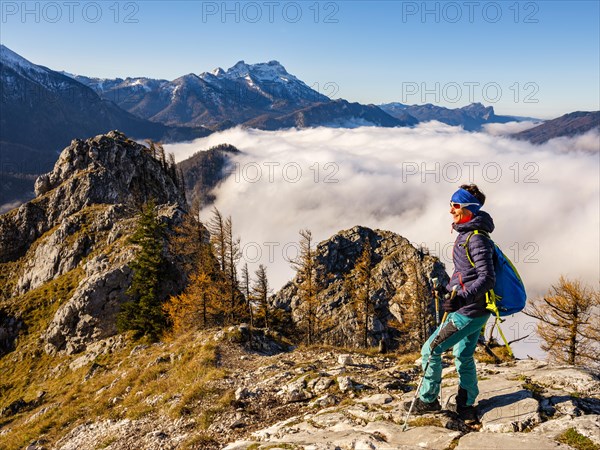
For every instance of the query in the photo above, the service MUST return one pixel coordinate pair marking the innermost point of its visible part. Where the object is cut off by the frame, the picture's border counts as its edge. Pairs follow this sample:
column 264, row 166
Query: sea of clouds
column 545, row 199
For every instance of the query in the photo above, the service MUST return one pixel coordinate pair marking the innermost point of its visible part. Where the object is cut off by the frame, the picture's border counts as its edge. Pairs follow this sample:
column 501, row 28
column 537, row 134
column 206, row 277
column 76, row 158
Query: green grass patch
column 577, row 440
column 426, row 422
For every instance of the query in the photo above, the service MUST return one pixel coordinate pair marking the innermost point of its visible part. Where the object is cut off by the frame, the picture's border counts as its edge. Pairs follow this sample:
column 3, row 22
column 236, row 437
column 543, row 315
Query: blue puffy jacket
column 473, row 282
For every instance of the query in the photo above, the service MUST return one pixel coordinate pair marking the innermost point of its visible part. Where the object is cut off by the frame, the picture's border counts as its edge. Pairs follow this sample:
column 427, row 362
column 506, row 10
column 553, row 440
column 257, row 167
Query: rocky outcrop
column 511, row 411
column 400, row 279
column 80, row 220
column 89, row 315
column 108, row 169
column 317, row 398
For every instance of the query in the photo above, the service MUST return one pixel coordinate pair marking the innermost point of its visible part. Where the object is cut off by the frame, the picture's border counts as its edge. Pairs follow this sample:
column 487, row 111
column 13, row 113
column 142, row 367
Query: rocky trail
column 327, row 398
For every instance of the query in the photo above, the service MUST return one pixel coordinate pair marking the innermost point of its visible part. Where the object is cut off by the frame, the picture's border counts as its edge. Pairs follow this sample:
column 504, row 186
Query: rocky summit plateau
column 69, row 379
column 269, row 396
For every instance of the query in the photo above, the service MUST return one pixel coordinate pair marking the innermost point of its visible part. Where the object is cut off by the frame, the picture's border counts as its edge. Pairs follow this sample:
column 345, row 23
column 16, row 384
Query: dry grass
column 426, row 422
column 501, row 352
column 199, row 441
column 407, row 358
column 126, row 386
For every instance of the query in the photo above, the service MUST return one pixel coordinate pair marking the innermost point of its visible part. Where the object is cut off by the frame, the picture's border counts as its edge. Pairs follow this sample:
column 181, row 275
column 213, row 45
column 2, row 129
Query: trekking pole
column 434, row 282
column 425, row 370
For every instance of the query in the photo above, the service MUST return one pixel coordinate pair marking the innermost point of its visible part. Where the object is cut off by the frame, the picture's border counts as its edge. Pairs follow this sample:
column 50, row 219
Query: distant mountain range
column 570, row 124
column 241, row 93
column 470, row 117
column 43, row 110
column 266, row 96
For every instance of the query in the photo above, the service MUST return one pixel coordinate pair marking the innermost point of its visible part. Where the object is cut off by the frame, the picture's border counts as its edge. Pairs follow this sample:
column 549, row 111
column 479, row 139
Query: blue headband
column 463, row 196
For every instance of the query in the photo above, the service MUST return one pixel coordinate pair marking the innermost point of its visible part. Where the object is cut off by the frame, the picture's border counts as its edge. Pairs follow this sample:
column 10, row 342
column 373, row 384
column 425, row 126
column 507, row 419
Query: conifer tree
column 196, row 307
column 151, row 148
column 201, row 303
column 416, row 307
column 181, row 178
column 191, row 242
column 568, row 322
column 218, row 234
column 260, row 294
column 163, row 157
column 360, row 282
column 308, row 287
column 233, row 254
column 246, row 290
column 172, row 169
column 143, row 313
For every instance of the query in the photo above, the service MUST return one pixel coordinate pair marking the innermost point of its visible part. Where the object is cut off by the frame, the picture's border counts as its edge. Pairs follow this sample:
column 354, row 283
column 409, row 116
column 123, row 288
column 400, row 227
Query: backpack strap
column 490, row 296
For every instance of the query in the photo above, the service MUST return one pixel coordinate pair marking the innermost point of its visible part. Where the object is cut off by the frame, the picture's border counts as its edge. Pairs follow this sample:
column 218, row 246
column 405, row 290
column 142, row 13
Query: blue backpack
column 508, row 295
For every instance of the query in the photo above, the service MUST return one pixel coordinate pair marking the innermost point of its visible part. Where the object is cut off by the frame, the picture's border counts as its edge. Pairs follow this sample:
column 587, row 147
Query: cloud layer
column 544, row 199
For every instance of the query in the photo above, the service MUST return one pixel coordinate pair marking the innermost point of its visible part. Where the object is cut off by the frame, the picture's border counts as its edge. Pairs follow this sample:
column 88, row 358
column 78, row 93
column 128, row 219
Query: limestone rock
column 108, row 169
column 83, row 207
column 90, row 313
column 505, row 406
column 567, row 378
column 504, row 441
column 397, row 267
column 10, row 325
column 345, row 384
column 345, row 360
column 588, row 426
column 377, row 399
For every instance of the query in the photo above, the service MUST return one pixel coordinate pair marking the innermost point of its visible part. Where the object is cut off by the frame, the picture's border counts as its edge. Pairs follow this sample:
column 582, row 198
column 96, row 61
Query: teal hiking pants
column 461, row 333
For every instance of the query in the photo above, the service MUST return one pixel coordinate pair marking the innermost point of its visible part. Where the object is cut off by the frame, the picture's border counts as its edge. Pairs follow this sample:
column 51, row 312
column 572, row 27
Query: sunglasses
column 461, row 205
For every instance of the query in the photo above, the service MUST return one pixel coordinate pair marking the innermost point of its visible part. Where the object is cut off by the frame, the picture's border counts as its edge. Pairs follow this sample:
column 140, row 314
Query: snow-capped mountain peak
column 17, row 62
column 239, row 70
column 270, row 71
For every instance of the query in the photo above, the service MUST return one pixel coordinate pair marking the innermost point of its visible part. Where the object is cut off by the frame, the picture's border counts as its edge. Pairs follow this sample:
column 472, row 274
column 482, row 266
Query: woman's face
column 460, row 215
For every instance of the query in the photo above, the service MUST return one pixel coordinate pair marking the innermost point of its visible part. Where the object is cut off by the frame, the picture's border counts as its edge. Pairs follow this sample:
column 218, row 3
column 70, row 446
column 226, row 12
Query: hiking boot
column 466, row 413
column 423, row 408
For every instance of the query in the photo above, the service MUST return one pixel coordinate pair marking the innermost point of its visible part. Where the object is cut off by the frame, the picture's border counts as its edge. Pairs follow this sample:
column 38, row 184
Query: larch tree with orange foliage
column 568, row 322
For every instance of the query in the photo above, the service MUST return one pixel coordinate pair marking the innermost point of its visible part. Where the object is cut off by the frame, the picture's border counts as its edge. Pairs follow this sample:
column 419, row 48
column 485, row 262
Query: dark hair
column 475, row 192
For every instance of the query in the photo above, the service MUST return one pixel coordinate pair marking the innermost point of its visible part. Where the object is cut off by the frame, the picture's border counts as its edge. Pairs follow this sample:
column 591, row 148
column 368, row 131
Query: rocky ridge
column 205, row 170
column 77, row 226
column 43, row 110
column 568, row 125
column 398, row 268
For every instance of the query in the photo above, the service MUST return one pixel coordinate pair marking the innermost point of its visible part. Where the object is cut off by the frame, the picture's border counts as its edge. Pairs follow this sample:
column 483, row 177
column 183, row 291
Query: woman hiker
column 467, row 310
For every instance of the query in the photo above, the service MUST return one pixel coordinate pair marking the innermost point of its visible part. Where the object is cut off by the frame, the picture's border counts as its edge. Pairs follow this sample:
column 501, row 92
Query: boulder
column 505, row 441
column 505, row 406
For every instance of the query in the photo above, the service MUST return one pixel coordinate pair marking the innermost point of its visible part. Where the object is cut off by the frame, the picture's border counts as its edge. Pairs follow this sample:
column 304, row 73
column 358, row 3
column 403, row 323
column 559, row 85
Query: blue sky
column 539, row 59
